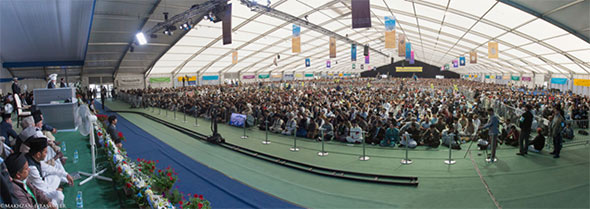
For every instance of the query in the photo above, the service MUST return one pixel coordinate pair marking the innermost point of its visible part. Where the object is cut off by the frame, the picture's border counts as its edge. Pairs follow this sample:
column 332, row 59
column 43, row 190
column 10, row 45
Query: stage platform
column 534, row 181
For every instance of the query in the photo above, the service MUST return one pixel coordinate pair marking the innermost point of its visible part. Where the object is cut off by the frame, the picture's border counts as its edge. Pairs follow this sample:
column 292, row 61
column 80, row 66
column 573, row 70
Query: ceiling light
column 140, row 38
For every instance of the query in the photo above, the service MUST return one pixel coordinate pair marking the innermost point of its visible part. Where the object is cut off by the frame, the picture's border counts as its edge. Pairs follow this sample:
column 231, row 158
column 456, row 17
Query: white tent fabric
column 439, row 31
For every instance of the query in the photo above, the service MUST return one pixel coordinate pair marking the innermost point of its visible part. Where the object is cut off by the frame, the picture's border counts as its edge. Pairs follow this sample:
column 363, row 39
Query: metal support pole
column 244, row 136
column 196, row 117
column 406, row 161
column 450, row 161
column 166, row 110
column 266, row 139
column 294, row 148
column 364, row 157
column 159, row 111
column 323, row 152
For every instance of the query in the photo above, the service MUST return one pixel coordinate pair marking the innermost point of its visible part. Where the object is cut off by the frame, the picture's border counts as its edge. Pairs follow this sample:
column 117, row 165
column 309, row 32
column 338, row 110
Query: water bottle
column 63, row 146
column 79, row 201
column 75, row 156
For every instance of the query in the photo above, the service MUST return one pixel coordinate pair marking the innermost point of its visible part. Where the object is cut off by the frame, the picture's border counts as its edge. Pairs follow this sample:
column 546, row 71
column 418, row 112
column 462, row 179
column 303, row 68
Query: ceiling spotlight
column 140, row 38
column 185, row 26
column 168, row 32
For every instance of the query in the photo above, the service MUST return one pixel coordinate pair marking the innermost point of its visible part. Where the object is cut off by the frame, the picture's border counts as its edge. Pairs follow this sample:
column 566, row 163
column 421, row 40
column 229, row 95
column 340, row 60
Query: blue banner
column 389, row 23
column 307, row 62
column 353, row 52
column 210, row 77
column 408, row 50
column 192, row 83
column 296, row 30
column 328, row 64
column 559, row 80
column 462, row 61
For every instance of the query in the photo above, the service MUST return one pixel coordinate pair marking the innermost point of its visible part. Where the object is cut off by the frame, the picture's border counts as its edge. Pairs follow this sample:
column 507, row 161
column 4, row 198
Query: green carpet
column 534, row 181
column 96, row 193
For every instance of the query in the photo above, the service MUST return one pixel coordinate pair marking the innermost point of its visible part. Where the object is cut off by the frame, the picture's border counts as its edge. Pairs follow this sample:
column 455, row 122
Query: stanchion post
column 364, row 157
column 294, row 148
column 174, row 109
column 323, row 152
column 266, row 136
column 166, row 110
column 244, row 136
column 450, row 161
column 184, row 113
column 196, row 117
column 406, row 161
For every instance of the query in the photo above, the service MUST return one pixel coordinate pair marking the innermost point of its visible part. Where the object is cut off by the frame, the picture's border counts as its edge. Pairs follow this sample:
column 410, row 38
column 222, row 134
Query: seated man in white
column 32, row 129
column 46, row 178
column 290, row 126
column 411, row 142
column 356, row 134
column 276, row 126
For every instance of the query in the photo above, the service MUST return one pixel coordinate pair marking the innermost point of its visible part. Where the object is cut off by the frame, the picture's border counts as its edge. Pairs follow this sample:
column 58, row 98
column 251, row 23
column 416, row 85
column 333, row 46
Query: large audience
column 386, row 112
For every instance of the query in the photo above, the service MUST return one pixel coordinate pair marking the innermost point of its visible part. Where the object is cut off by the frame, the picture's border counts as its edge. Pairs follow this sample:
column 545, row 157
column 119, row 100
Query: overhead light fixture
column 140, row 38
column 185, row 26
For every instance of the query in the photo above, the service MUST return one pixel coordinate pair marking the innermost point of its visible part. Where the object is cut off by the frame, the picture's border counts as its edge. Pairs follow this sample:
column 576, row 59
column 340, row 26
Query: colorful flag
column 362, row 67
column 492, row 49
column 353, row 66
column 389, row 23
column 332, row 47
column 462, row 61
column 442, row 68
column 390, row 39
column 296, row 40
column 408, row 50
column 401, row 46
column 234, row 57
column 473, row 57
column 447, row 67
column 412, row 57
column 367, row 58
column 226, row 26
column 353, row 52
column 307, row 62
column 455, row 64
column 328, row 64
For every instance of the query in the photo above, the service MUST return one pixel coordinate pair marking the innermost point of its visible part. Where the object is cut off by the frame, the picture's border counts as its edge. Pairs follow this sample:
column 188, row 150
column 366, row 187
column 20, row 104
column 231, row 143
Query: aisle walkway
column 194, row 177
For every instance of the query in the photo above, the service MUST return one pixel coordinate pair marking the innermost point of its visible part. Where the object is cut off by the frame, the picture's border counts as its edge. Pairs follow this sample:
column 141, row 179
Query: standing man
column 493, row 132
column 112, row 130
column 62, row 83
column 555, row 131
column 526, row 120
column 103, row 96
column 52, row 80
column 15, row 86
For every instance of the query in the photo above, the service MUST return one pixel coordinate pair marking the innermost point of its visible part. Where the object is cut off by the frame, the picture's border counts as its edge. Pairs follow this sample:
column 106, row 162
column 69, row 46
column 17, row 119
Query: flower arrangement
column 120, row 135
column 149, row 187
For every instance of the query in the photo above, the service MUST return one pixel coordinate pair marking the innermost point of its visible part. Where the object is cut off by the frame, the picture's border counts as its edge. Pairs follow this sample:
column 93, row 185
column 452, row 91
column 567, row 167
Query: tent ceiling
column 36, row 33
column 439, row 30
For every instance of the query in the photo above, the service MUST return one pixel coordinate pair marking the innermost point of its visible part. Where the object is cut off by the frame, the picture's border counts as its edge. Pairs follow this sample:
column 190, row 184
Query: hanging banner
column 159, row 79
column 408, row 69
column 328, row 64
column 401, row 46
column 353, row 52
column 487, row 76
column 249, row 76
column 408, row 50
column 492, row 77
column 412, row 57
column 332, row 47
column 389, row 23
column 506, row 77
column 288, row 77
column 498, row 77
column 455, row 64
column 353, row 66
column 559, row 80
column 190, row 78
column 296, row 40
column 492, row 49
column 226, row 25
column 234, row 57
column 264, row 76
column 442, row 68
column 298, row 75
column 307, row 62
column 472, row 57
column 390, row 39
column 210, row 77
column 462, row 61
column 447, row 67
column 340, row 74
column 192, row 83
column 362, row 67
column 526, row 78
column 581, row 82
column 361, row 13
column 515, row 78
column 309, row 75
column 367, row 59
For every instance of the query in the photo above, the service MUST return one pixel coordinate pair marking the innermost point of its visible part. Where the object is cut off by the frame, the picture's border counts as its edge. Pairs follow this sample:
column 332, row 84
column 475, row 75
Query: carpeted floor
column 534, row 181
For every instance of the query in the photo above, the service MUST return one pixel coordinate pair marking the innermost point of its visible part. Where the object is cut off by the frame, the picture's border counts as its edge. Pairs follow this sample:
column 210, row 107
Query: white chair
column 20, row 113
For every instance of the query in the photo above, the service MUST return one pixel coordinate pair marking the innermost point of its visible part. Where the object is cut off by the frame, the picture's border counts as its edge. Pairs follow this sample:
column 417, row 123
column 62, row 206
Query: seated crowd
column 386, row 112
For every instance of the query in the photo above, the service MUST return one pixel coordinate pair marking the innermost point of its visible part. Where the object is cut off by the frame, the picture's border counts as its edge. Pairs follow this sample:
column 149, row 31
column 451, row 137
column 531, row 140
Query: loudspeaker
column 366, row 51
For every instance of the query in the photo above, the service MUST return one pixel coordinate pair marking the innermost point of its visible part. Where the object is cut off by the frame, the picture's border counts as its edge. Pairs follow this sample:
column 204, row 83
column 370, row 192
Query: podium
column 58, row 106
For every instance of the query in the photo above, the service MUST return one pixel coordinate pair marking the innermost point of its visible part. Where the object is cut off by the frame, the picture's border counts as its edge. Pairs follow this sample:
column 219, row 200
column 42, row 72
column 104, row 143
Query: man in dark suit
column 526, row 120
column 112, row 130
column 15, row 86
column 7, row 131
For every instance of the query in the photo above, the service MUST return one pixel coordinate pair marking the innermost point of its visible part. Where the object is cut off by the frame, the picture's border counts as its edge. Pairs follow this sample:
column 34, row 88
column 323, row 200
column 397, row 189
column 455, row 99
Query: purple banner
column 412, row 57
column 526, row 78
column 249, row 76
